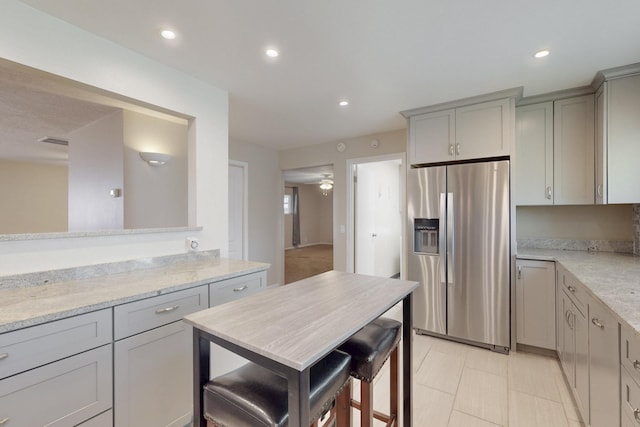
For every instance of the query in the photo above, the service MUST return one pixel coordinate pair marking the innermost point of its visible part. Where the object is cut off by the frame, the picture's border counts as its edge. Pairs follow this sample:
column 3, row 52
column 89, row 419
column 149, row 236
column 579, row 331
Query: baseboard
column 536, row 350
column 307, row 245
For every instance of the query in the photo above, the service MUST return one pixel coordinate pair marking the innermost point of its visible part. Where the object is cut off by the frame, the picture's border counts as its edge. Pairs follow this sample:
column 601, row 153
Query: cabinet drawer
column 61, row 394
column 575, row 290
column 630, row 352
column 35, row 346
column 630, row 397
column 238, row 287
column 139, row 316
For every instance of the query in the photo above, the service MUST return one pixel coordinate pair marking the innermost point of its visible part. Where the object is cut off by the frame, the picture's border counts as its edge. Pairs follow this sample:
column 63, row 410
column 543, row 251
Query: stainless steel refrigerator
column 459, row 251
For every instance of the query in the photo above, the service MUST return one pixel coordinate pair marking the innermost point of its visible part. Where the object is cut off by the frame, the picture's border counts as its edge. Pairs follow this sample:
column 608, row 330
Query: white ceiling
column 311, row 175
column 384, row 56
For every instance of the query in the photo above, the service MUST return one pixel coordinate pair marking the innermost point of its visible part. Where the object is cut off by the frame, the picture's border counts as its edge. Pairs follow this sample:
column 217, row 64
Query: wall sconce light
column 155, row 159
column 326, row 184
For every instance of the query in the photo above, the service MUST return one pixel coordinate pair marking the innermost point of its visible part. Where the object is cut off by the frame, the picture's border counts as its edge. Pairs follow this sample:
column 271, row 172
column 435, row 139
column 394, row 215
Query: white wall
column 154, row 196
column 40, row 41
column 265, row 204
column 324, row 154
column 95, row 167
column 33, row 197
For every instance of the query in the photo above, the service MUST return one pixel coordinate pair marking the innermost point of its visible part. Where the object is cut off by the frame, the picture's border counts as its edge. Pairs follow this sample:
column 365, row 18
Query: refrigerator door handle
column 450, row 230
column 442, row 242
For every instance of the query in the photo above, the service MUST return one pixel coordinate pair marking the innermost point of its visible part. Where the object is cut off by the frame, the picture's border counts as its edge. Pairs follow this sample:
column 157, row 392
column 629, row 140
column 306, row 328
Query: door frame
column 351, row 208
column 245, row 205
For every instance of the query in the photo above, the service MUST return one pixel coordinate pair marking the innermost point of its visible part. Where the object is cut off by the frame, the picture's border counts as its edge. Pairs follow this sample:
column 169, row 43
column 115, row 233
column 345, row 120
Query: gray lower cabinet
column 60, row 394
column 103, row 420
column 57, row 374
column 574, row 353
column 535, row 303
column 604, row 367
column 630, row 377
column 223, row 361
column 153, row 371
column 153, row 367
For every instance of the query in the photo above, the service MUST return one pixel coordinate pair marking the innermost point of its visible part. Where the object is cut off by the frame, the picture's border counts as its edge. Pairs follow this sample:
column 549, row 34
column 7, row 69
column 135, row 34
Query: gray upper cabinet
column 534, row 150
column 475, row 128
column 573, row 151
column 618, row 141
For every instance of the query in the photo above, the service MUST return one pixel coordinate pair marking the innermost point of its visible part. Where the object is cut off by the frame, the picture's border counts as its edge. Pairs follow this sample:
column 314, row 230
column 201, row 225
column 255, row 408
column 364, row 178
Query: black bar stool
column 369, row 349
column 252, row 396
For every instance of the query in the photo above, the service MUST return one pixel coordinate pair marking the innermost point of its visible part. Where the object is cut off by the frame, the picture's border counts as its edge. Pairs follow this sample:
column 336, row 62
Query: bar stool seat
column 254, row 396
column 369, row 349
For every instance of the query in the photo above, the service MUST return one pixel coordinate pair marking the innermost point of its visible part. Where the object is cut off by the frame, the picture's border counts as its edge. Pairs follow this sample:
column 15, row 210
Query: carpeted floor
column 306, row 262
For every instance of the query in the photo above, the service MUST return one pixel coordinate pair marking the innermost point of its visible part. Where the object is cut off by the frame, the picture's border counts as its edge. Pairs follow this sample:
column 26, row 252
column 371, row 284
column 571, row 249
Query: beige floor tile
column 535, row 375
column 431, row 407
column 421, row 346
column 526, row 410
column 487, row 361
column 570, row 409
column 483, row 395
column 451, row 347
column 460, row 419
column 440, row 371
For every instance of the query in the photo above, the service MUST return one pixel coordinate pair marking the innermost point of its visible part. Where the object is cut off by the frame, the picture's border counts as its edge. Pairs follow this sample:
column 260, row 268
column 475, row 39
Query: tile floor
column 456, row 385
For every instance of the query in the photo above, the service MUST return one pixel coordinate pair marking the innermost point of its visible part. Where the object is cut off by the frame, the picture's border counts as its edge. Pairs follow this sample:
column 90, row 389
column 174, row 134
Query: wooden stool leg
column 343, row 407
column 393, row 386
column 366, row 404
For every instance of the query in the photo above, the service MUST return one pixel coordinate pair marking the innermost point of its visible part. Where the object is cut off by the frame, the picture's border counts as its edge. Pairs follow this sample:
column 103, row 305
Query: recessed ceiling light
column 271, row 53
column 168, row 34
column 343, row 103
column 541, row 53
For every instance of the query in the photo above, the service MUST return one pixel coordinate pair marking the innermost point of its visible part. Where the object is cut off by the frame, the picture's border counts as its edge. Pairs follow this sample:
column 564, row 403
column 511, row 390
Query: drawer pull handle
column 636, row 414
column 571, row 289
column 167, row 309
column 4, row 420
column 596, row 322
column 240, row 289
column 636, row 364
column 2, row 357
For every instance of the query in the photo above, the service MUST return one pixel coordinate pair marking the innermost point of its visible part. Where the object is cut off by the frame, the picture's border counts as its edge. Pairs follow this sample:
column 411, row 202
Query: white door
column 238, row 210
column 377, row 220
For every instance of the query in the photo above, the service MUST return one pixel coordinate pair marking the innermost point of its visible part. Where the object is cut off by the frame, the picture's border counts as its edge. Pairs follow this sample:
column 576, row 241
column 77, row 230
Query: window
column 287, row 204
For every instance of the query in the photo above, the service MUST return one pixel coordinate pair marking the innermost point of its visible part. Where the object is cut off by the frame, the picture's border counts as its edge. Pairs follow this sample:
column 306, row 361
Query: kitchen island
column 289, row 328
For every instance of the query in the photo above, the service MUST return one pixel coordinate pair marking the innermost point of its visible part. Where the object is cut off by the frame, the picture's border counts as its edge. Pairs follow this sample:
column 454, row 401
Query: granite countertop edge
column 610, row 278
column 34, row 305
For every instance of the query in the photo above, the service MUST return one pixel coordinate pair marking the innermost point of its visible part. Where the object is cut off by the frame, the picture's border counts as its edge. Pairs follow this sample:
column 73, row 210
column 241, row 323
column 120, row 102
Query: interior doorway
column 375, row 218
column 308, row 222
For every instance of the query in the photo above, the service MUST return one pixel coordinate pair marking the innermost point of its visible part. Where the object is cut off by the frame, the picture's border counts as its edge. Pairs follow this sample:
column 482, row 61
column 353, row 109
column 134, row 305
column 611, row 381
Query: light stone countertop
column 23, row 306
column 612, row 278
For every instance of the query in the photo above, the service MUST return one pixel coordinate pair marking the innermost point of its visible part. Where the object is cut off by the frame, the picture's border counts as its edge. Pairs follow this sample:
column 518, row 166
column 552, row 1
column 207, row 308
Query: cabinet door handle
column 571, row 289
column 4, row 421
column 2, row 357
column 549, row 193
column 599, row 190
column 458, row 148
column 636, row 364
column 240, row 289
column 519, row 272
column 596, row 322
column 167, row 309
column 451, row 149
column 636, row 414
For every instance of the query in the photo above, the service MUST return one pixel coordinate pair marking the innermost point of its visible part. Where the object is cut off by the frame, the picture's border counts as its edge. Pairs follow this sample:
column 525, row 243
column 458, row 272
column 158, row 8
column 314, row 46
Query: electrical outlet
column 192, row 244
